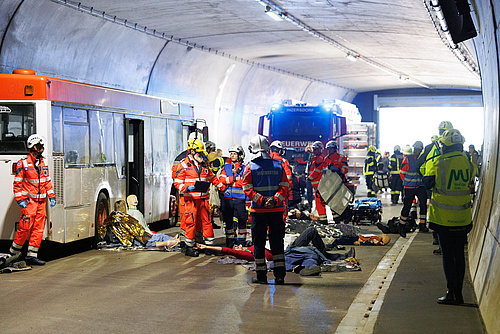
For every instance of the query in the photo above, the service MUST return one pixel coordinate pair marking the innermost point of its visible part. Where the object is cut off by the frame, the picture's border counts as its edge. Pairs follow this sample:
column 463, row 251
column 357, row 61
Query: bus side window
column 57, row 133
column 76, row 137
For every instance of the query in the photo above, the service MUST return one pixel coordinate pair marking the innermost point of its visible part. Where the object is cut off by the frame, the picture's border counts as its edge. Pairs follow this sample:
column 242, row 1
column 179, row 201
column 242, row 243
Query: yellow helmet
column 372, row 149
column 196, row 145
column 452, row 137
column 434, row 138
column 444, row 125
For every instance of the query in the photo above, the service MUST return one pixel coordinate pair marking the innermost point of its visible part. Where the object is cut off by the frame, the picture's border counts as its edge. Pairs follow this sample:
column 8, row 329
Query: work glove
column 23, row 203
column 52, row 202
column 334, row 169
column 190, row 189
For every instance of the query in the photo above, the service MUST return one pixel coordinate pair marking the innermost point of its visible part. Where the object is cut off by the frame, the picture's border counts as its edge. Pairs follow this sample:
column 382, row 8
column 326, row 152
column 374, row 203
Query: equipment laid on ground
column 367, row 210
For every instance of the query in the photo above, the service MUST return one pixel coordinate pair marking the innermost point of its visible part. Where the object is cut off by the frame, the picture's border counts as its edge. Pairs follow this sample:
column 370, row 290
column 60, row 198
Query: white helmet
column 277, row 144
column 317, row 144
column 259, row 146
column 332, row 144
column 36, row 139
column 407, row 150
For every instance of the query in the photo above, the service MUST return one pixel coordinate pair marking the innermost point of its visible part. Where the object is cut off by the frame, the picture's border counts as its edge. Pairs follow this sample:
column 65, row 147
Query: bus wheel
column 101, row 213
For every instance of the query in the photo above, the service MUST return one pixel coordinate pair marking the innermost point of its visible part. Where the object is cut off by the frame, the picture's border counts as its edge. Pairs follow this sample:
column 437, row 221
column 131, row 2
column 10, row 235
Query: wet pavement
column 101, row 291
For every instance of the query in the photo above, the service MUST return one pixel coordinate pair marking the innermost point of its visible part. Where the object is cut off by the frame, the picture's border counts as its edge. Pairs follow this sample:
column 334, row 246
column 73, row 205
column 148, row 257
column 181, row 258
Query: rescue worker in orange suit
column 412, row 186
column 235, row 212
column 314, row 176
column 32, row 186
column 395, row 168
column 336, row 162
column 276, row 152
column 371, row 162
column 265, row 183
column 196, row 211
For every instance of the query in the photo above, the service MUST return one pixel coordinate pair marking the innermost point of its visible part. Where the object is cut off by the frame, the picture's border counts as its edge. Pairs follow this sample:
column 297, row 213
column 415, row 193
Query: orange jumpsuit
column 315, row 174
column 31, row 182
column 196, row 203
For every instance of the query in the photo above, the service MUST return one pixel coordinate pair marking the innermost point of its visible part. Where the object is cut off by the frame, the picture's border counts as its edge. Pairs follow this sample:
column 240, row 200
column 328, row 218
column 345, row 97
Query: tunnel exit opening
column 404, row 125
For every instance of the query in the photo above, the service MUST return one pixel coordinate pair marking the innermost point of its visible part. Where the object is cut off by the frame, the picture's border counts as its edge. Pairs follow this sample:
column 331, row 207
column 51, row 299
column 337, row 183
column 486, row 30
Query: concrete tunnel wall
column 59, row 41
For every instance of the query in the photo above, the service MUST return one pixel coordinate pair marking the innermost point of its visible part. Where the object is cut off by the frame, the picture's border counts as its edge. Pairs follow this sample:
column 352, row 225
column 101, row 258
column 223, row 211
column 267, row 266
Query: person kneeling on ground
column 125, row 229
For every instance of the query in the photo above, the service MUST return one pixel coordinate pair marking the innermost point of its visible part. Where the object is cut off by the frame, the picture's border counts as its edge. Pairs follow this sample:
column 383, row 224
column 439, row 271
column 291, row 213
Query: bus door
column 134, row 148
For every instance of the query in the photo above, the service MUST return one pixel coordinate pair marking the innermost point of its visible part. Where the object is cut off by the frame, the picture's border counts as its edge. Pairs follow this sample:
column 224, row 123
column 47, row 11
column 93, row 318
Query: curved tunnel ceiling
column 391, row 38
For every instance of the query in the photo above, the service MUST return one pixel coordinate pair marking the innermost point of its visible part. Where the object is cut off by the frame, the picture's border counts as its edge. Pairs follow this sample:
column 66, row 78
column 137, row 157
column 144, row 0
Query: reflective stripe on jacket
column 395, row 163
column 339, row 161
column 450, row 204
column 316, row 170
column 286, row 167
column 32, row 181
column 427, row 157
column 409, row 173
column 265, row 178
column 370, row 164
column 188, row 172
column 234, row 190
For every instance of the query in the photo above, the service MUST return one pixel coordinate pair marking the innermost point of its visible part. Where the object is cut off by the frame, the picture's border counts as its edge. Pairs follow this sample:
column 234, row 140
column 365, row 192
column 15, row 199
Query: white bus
column 102, row 145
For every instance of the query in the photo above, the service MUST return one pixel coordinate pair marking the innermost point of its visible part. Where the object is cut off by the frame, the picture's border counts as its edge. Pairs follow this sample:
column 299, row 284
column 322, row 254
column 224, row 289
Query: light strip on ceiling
column 349, row 52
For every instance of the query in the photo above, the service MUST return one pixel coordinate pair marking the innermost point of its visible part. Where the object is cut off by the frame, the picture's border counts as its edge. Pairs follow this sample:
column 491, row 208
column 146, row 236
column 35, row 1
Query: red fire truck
column 300, row 124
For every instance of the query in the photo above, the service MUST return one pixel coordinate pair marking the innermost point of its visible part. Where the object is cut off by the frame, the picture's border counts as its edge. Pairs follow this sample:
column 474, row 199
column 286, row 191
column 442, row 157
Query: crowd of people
column 439, row 177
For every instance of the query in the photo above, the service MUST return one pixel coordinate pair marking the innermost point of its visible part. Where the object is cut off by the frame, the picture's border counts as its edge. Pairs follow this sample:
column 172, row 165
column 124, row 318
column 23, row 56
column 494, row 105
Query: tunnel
column 85, row 42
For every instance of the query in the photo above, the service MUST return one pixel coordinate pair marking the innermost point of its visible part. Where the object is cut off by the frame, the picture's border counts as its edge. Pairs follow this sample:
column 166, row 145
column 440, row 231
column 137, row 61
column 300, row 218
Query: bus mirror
column 204, row 131
column 5, row 110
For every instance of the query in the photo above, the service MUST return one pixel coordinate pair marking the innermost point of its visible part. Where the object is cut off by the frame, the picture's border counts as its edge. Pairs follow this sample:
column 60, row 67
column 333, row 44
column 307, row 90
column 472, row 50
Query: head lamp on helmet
column 452, row 137
column 443, row 126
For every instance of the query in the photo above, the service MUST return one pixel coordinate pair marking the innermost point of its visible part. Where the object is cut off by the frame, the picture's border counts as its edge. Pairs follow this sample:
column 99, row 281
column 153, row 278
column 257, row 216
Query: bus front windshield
column 17, row 123
column 300, row 126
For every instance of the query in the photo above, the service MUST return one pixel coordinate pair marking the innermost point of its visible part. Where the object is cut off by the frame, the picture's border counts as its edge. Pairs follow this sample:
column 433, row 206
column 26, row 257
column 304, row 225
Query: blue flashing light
column 275, row 107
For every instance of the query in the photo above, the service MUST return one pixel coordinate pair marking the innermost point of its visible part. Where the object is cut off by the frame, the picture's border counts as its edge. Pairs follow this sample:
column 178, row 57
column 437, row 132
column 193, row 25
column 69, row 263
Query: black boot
column 451, row 298
column 191, row 252
column 385, row 229
column 34, row 261
column 422, row 228
column 261, row 278
column 402, row 230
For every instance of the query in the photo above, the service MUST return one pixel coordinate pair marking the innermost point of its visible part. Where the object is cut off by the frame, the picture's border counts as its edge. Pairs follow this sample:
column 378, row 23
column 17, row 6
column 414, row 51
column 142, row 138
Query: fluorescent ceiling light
column 351, row 57
column 275, row 16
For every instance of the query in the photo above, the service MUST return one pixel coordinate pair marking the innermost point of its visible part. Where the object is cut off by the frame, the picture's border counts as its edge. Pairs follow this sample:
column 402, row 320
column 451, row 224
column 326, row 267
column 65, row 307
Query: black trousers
column 311, row 235
column 408, row 196
column 452, row 245
column 236, row 229
column 260, row 224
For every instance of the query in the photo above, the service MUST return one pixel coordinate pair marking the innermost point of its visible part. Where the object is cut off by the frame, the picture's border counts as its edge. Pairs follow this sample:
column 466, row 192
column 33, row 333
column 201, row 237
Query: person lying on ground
column 364, row 240
column 298, row 253
column 120, row 227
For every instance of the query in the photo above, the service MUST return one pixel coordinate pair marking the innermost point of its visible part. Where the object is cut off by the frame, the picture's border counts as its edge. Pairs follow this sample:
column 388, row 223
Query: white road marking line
column 364, row 310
